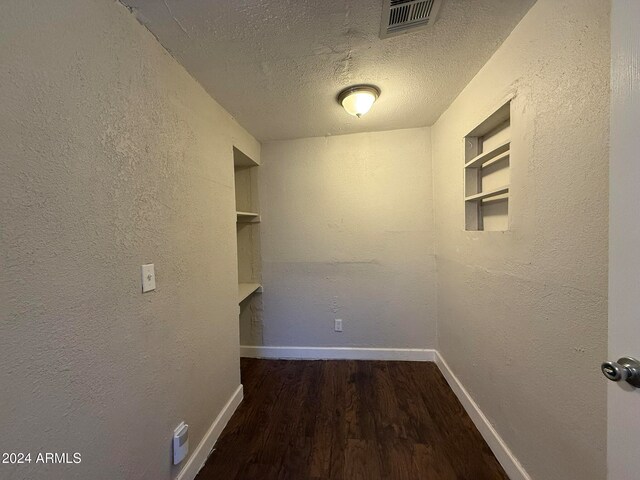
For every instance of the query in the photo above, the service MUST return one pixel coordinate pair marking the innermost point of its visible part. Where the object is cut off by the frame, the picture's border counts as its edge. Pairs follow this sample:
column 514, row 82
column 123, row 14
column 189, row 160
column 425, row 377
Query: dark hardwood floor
column 349, row 420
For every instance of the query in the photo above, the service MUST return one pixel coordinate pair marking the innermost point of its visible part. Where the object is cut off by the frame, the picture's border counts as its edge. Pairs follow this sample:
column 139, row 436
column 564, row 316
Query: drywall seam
column 339, row 353
column 175, row 19
column 205, row 447
column 498, row 446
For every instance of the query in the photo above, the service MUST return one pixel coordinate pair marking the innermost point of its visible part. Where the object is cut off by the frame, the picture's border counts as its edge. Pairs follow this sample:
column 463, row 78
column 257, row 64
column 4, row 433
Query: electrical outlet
column 180, row 443
column 337, row 325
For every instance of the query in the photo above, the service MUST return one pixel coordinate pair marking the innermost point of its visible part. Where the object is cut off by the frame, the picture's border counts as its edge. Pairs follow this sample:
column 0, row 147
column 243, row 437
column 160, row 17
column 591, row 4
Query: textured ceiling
column 277, row 65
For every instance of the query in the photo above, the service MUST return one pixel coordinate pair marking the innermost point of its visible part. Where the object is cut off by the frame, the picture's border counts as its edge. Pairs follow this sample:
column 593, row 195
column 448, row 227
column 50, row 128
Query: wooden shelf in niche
column 247, row 289
column 487, row 172
column 241, row 160
column 490, row 157
column 248, row 217
column 488, row 194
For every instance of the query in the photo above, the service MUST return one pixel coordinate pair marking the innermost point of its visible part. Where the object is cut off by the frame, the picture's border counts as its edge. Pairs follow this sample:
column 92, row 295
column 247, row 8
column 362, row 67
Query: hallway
column 376, row 239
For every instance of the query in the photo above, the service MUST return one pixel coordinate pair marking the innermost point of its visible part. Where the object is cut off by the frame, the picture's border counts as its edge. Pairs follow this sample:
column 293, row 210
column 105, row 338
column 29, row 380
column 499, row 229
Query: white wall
column 347, row 233
column 522, row 315
column 112, row 156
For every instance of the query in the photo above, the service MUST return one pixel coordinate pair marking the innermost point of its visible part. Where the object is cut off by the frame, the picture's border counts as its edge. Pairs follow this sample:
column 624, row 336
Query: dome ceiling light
column 358, row 99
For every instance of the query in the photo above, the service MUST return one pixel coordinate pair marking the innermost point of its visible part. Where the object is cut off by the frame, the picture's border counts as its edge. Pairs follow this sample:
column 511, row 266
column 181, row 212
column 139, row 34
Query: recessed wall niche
column 486, row 172
column 248, row 243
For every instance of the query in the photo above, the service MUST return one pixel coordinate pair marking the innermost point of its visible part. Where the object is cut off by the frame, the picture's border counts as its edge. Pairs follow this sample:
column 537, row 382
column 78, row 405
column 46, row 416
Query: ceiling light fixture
column 357, row 100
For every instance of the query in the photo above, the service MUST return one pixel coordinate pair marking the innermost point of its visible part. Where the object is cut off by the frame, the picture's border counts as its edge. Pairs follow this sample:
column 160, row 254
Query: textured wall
column 522, row 315
column 347, row 233
column 112, row 156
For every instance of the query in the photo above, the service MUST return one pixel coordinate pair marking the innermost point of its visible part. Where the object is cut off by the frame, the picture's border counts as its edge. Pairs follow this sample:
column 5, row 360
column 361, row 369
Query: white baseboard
column 339, row 353
column 201, row 453
column 509, row 462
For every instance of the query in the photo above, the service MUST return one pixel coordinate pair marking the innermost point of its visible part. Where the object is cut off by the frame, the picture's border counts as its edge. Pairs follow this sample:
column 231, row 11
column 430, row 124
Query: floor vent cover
column 399, row 16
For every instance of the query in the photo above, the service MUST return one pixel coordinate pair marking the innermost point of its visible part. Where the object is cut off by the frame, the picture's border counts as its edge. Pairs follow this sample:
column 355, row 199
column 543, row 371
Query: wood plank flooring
column 349, row 420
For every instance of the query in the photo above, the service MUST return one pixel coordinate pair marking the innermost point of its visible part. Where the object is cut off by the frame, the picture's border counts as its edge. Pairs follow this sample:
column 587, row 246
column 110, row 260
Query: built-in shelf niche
column 487, row 172
column 247, row 226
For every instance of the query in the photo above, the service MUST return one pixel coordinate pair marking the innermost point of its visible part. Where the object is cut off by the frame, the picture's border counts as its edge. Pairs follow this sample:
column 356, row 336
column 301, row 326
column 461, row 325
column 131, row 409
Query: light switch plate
column 148, row 278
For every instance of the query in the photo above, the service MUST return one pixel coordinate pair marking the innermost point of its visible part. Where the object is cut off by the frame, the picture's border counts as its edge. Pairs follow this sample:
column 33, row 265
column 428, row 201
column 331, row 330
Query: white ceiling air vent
column 400, row 16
